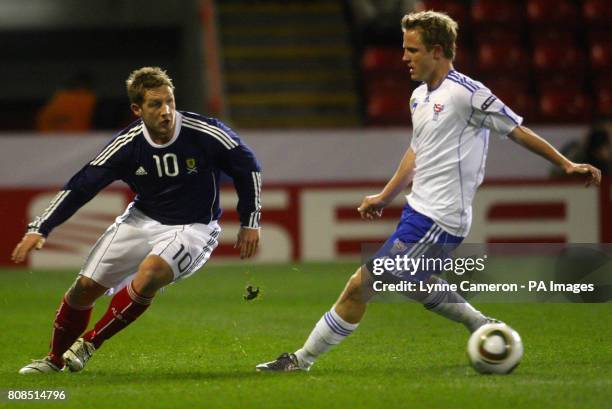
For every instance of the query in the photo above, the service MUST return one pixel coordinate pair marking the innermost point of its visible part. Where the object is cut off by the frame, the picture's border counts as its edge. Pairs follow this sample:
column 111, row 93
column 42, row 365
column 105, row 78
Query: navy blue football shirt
column 175, row 183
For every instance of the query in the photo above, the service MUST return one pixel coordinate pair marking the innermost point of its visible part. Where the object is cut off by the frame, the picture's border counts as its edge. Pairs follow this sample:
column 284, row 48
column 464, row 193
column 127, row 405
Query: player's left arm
column 490, row 112
column 247, row 241
column 240, row 164
column 536, row 144
column 29, row 242
column 246, row 174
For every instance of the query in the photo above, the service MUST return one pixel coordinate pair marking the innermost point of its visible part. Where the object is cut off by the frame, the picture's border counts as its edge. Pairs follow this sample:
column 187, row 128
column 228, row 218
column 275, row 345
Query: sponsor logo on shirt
column 140, row 171
column 413, row 104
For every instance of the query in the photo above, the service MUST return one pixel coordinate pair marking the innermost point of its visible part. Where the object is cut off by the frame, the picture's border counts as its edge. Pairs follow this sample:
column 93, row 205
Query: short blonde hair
column 145, row 78
column 436, row 29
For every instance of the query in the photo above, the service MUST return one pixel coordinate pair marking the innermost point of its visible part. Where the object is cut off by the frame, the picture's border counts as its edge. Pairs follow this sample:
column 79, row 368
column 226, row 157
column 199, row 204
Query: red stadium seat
column 557, row 56
column 561, row 105
column 389, row 108
column 514, row 93
column 399, row 84
column 604, row 101
column 499, row 85
column 571, row 82
column 601, row 55
column 464, row 61
column 382, row 59
column 603, row 81
column 495, row 13
column 503, row 57
column 602, row 88
column 552, row 12
column 552, row 35
column 454, row 8
column 387, row 86
column 497, row 35
column 597, row 12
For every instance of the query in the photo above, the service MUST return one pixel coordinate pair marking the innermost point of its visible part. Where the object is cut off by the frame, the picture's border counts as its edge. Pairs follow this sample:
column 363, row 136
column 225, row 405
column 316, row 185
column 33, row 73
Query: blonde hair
column 145, row 78
column 436, row 29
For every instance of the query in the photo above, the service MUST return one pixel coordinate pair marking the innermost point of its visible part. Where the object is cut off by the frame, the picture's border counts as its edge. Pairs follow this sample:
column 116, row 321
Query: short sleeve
column 491, row 113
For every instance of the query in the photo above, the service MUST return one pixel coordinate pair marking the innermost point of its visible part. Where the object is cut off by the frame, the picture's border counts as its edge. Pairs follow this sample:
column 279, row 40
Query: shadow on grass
column 122, row 377
column 114, row 377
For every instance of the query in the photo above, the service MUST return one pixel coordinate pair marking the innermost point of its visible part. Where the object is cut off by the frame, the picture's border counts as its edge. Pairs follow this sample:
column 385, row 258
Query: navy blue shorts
column 419, row 238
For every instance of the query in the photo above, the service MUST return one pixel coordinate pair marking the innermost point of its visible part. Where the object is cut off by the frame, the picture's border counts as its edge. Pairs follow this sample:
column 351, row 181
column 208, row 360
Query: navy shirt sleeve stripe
column 115, row 145
column 255, row 215
column 197, row 128
column 216, row 133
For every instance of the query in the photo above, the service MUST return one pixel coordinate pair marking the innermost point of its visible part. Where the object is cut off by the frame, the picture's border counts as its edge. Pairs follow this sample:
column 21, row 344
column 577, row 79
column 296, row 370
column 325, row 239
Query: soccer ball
column 495, row 348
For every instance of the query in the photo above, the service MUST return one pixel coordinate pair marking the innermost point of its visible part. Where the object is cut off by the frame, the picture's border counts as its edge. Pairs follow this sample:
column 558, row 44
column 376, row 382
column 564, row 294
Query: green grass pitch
column 198, row 344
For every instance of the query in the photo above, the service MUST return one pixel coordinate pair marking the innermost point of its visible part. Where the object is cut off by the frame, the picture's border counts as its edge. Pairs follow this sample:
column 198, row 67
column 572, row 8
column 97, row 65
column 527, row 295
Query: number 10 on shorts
column 184, row 259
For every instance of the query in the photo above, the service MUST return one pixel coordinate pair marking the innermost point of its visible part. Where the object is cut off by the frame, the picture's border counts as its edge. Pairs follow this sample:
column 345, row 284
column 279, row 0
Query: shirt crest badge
column 437, row 108
column 191, row 166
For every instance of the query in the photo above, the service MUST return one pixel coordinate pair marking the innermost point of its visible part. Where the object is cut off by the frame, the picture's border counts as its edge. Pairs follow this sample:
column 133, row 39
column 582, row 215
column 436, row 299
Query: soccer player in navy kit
column 172, row 160
column 452, row 117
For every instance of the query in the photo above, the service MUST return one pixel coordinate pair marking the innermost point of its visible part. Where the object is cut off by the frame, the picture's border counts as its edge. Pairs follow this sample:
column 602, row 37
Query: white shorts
column 114, row 259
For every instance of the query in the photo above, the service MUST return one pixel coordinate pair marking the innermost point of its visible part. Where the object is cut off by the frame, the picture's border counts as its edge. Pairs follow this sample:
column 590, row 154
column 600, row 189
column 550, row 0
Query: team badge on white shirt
column 437, row 108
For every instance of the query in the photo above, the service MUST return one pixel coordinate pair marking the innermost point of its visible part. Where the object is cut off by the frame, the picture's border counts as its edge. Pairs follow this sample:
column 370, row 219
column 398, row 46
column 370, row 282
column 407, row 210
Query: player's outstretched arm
column 533, row 142
column 247, row 241
column 371, row 207
column 29, row 242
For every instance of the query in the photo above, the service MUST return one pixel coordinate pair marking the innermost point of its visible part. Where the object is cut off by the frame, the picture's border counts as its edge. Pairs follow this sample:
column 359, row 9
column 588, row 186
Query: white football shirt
column 451, row 126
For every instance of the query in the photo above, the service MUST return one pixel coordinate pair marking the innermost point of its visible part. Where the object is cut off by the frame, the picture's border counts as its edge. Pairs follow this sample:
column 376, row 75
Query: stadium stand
column 565, row 105
column 555, row 13
column 37, row 61
column 548, row 59
column 603, row 90
column 299, row 63
column 597, row 13
column 493, row 13
column 288, row 64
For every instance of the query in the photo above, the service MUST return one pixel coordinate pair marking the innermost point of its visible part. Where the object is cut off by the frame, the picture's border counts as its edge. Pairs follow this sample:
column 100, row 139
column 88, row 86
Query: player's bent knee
column 84, row 292
column 153, row 274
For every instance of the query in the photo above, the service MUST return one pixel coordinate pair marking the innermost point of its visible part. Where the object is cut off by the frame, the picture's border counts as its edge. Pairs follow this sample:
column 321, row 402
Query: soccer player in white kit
column 452, row 118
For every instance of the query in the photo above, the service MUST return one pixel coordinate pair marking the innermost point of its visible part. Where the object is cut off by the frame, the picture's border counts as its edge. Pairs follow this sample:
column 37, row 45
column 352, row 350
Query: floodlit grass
column 198, row 344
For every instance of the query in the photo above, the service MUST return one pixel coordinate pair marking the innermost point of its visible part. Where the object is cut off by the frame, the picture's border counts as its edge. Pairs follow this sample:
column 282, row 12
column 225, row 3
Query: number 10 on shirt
column 170, row 163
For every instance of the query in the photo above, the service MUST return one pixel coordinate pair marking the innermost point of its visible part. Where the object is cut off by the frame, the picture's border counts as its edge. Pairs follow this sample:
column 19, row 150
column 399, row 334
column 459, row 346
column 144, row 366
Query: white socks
column 329, row 331
column 453, row 306
column 332, row 329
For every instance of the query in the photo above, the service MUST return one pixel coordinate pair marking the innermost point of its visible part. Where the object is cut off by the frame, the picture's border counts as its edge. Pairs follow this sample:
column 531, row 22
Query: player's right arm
column 29, row 242
column 371, row 206
column 80, row 189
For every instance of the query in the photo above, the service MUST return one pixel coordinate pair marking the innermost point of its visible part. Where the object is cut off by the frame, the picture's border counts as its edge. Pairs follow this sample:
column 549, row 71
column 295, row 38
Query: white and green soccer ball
column 495, row 349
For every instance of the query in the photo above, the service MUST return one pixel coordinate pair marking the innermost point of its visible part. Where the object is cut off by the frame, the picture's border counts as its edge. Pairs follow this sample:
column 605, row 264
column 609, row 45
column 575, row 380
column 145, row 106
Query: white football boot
column 78, row 354
column 40, row 366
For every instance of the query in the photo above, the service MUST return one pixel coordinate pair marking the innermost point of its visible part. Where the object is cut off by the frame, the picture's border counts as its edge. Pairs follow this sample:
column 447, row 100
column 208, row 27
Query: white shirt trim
column 178, row 119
